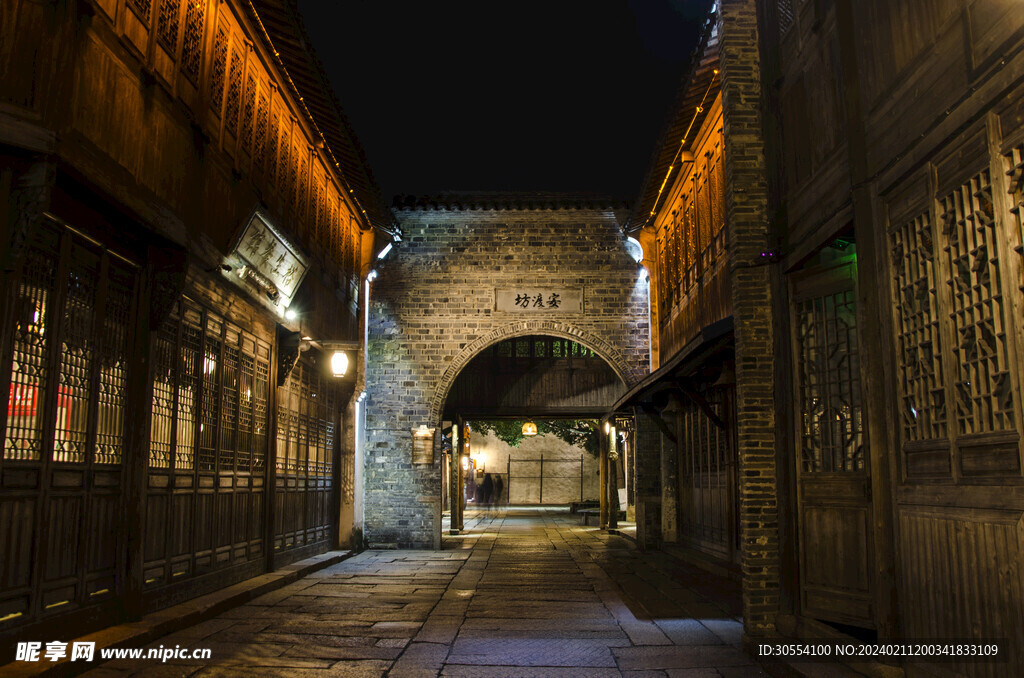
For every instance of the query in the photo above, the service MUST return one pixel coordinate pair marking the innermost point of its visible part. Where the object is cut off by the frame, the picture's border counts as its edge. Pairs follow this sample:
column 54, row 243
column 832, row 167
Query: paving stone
column 679, row 657
column 539, row 597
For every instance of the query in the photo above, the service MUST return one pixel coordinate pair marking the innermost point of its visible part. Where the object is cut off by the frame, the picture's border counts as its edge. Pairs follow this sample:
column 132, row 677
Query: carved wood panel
column 66, row 372
column 208, row 445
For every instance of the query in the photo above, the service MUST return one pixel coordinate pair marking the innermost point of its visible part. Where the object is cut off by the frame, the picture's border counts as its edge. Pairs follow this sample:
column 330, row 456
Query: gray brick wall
column 432, row 309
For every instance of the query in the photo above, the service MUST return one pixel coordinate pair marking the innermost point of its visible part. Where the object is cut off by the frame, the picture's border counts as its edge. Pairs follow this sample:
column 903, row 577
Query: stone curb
column 162, row 622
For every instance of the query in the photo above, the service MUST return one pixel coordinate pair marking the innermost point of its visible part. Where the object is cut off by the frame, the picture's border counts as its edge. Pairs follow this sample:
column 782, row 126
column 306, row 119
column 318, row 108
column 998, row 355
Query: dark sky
column 562, row 95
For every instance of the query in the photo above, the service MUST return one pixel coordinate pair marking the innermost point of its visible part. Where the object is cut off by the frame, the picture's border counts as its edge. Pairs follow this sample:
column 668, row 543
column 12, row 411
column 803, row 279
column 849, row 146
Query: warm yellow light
column 339, row 363
column 529, row 429
column 465, row 463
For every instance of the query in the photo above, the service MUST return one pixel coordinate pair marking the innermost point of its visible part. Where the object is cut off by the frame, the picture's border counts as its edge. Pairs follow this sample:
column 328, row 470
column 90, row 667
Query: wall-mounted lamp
column 529, row 429
column 339, row 364
column 384, row 252
column 290, row 314
column 371, row 276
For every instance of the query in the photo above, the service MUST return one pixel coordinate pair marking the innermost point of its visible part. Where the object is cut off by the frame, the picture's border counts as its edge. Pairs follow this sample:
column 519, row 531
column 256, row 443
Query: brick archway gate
column 447, row 292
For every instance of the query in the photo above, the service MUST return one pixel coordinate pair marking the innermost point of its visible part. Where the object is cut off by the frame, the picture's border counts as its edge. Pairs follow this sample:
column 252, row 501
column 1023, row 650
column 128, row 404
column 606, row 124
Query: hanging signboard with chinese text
column 538, row 300
column 268, row 260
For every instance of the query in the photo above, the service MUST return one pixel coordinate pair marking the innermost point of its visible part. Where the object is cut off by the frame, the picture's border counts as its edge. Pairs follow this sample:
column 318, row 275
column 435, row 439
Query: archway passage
column 492, row 412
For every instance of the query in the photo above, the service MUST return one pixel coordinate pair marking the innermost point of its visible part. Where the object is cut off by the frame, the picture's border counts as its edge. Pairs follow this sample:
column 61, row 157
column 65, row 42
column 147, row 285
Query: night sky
column 506, row 96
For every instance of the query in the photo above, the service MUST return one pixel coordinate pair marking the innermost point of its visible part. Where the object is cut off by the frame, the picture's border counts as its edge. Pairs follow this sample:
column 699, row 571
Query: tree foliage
column 579, row 432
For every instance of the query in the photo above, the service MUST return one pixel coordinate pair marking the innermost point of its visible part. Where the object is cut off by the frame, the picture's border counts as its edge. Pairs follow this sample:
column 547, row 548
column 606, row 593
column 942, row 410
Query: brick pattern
column 432, row 310
column 647, row 463
column 746, row 204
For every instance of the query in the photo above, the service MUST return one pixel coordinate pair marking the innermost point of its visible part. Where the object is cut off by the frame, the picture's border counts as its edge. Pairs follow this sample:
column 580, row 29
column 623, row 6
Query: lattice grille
column 229, row 402
column 209, row 415
column 234, row 98
column 29, row 370
column 259, row 146
column 984, row 400
column 247, row 372
column 167, row 25
column 141, row 8
column 192, row 40
column 217, row 69
column 918, row 333
column 161, row 434
column 190, row 371
column 1016, row 174
column 302, row 180
column 78, row 353
column 286, row 169
column 272, row 149
column 785, row 15
column 260, row 393
column 831, row 432
column 248, row 113
column 114, row 361
column 317, row 213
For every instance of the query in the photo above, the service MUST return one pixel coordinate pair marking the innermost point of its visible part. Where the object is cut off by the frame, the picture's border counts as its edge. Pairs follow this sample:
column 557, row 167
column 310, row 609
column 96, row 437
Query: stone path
column 524, row 593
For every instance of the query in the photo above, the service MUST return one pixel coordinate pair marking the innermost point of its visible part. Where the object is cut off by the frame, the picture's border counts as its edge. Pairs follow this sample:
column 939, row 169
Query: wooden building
column 878, row 441
column 187, row 224
column 690, row 396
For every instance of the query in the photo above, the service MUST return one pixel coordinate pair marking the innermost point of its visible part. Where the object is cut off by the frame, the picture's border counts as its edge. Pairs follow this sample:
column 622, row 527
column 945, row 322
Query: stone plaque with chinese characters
column 538, row 300
column 266, row 251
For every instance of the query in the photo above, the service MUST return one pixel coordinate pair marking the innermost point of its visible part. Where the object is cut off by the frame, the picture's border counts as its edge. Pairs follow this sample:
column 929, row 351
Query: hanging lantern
column 529, row 429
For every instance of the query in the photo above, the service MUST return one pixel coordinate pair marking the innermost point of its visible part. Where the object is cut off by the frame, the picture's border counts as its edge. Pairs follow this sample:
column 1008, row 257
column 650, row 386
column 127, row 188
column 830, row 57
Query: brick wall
column 746, row 205
column 432, row 309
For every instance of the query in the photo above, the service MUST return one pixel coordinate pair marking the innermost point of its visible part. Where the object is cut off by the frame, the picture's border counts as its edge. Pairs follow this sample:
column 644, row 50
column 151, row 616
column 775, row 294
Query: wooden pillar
column 603, row 495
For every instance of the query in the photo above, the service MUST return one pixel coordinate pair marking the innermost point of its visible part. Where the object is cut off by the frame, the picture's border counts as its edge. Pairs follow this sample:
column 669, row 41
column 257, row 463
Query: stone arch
column 630, row 376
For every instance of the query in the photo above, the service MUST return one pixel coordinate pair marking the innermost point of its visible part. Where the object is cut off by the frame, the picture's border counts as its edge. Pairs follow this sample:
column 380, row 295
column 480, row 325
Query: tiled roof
column 692, row 90
column 281, row 20
column 471, row 200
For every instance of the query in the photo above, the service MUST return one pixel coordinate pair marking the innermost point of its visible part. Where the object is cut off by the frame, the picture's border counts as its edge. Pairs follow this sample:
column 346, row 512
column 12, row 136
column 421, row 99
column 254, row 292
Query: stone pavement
column 522, row 593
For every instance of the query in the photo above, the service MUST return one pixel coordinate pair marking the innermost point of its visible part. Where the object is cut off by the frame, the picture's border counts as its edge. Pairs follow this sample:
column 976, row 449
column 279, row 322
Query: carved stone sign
column 528, row 299
column 263, row 250
column 423, row 445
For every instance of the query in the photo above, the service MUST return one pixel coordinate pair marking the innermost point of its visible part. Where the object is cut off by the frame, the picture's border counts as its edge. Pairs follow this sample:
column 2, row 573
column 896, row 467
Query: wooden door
column 66, row 370
column 832, row 459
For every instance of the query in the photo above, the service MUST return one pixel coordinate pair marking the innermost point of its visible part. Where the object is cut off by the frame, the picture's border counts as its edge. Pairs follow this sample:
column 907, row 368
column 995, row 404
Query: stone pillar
column 749, row 239
column 670, row 475
column 647, row 451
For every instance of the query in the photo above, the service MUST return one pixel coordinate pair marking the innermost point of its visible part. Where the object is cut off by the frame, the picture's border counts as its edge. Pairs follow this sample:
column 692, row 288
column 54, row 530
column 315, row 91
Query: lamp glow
column 339, row 363
column 290, row 314
column 529, row 429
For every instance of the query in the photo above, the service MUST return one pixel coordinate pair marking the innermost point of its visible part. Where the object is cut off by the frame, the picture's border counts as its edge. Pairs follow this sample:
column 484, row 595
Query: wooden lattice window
column 167, row 24
column 692, row 240
column 232, row 106
column 217, row 69
column 141, row 8
column 1015, row 159
column 248, row 113
column 76, row 299
column 917, row 329
column 984, row 400
column 259, row 146
column 306, row 428
column 192, row 40
column 212, row 377
column 785, row 15
column 272, row 148
column 831, row 427
column 301, row 182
